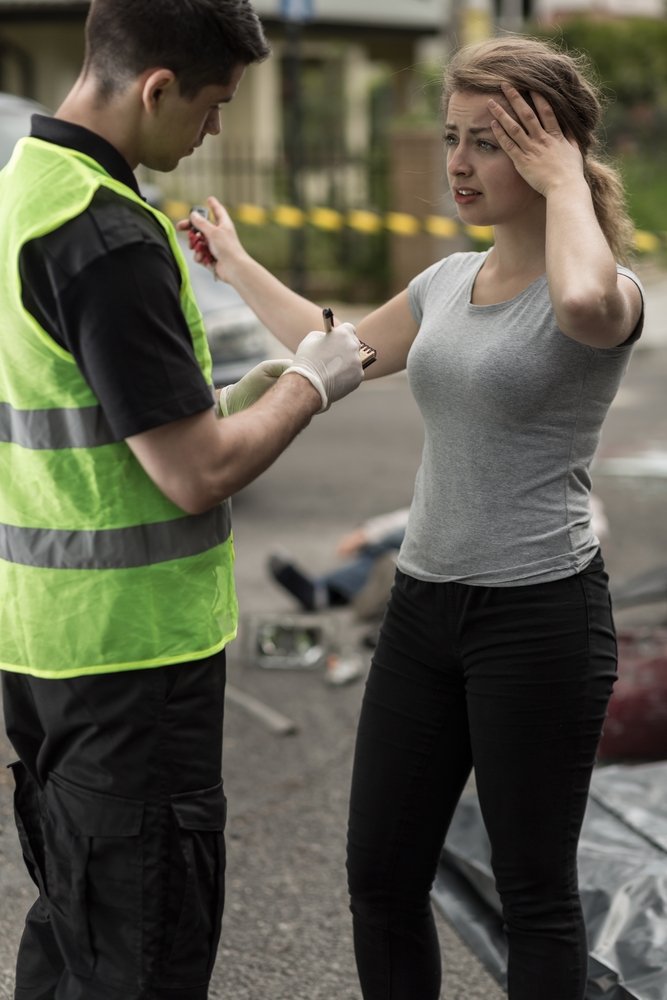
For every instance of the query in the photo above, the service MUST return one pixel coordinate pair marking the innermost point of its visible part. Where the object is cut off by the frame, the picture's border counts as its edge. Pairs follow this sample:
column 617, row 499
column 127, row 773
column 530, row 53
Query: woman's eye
column 450, row 139
column 483, row 144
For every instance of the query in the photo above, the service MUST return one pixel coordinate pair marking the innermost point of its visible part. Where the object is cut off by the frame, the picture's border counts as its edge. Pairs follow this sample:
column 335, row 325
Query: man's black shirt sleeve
column 106, row 287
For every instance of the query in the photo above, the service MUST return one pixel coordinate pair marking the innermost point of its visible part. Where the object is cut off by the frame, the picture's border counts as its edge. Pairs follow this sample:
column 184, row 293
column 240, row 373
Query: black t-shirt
column 106, row 287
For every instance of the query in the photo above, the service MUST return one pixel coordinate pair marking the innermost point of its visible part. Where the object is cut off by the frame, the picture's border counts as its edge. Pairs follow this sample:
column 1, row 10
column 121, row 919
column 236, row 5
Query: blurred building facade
column 470, row 20
column 552, row 10
column 340, row 47
column 327, row 55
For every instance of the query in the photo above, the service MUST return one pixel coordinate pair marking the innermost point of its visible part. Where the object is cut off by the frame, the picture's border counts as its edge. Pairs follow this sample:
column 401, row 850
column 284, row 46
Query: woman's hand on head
column 535, row 143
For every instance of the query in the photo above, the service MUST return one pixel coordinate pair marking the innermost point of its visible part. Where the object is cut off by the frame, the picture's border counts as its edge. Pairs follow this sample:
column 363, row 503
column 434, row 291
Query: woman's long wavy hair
column 564, row 79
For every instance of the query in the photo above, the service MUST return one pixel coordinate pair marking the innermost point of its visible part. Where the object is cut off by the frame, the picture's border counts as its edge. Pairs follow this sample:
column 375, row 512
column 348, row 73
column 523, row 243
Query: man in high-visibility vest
column 116, row 579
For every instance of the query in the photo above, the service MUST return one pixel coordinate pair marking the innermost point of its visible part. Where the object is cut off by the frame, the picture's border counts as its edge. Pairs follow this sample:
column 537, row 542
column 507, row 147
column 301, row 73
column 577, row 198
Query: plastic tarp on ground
column 622, row 876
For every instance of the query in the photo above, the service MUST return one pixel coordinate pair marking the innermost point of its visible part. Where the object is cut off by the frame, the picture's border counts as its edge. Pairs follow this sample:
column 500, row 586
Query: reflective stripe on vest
column 115, row 548
column 82, row 428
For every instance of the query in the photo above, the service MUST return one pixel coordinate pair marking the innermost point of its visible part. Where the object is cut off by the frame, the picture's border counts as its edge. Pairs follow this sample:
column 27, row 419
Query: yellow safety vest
column 99, row 571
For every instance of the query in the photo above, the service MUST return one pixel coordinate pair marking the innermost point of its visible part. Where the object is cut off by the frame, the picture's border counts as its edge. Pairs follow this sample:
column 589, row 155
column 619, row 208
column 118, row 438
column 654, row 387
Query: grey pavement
column 654, row 280
column 286, row 932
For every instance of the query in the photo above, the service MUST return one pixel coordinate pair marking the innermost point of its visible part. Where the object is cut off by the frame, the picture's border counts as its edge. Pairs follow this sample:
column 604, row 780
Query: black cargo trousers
column 120, row 811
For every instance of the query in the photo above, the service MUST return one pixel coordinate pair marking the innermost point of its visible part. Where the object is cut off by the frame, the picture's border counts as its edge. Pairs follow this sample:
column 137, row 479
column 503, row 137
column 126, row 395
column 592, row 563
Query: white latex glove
column 330, row 361
column 254, row 384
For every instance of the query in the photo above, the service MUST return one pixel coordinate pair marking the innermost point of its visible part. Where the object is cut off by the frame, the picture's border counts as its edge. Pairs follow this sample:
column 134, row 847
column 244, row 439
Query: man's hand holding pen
column 330, row 361
column 367, row 355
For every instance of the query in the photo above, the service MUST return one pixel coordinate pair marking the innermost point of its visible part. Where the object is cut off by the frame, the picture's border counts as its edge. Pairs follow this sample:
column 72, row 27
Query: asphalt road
column 286, row 933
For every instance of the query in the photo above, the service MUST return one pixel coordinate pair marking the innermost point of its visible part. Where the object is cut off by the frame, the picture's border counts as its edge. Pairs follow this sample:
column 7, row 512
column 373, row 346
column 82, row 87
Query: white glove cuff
column 221, row 409
column 314, row 380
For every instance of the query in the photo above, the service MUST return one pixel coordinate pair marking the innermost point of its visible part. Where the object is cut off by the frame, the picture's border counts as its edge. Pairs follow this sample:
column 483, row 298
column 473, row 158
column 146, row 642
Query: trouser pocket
column 196, row 886
column 27, row 812
column 94, row 872
column 38, row 962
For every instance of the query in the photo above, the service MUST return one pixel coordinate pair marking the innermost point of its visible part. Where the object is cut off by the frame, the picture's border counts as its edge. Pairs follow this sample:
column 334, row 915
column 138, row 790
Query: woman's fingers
column 547, row 114
column 533, row 121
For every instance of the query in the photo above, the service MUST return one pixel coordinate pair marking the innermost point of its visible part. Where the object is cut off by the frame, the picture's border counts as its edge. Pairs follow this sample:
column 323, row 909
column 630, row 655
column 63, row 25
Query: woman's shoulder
column 442, row 278
column 458, row 263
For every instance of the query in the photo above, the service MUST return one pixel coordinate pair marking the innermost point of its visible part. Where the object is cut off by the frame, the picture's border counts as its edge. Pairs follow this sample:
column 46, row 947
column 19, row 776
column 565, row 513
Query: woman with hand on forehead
column 497, row 650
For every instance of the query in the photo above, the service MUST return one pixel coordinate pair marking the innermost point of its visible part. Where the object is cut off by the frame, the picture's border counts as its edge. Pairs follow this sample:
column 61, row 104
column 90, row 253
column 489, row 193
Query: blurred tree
column 628, row 53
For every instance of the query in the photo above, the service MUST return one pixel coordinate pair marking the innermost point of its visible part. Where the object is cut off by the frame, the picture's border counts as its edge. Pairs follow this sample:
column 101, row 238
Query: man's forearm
column 199, row 461
column 254, row 438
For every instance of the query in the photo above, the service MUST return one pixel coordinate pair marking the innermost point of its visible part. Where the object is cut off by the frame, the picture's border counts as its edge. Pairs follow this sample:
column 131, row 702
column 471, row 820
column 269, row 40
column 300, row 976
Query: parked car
column 15, row 114
column 237, row 339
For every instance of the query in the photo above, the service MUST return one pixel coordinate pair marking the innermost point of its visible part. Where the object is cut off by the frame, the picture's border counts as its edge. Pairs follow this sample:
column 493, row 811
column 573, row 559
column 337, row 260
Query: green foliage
column 343, row 264
column 628, row 54
column 426, row 99
column 646, row 184
column 628, row 58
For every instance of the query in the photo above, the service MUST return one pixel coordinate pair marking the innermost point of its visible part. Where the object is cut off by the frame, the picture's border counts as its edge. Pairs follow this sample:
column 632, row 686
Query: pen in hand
column 367, row 355
column 328, row 316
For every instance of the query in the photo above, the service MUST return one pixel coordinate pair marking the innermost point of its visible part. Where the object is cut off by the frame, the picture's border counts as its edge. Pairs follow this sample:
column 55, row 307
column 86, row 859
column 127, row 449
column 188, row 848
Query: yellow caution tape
column 176, row 209
column 363, row 221
column 252, row 215
column 441, row 225
column 647, row 242
column 289, row 216
column 326, row 218
column 482, row 233
column 403, row 224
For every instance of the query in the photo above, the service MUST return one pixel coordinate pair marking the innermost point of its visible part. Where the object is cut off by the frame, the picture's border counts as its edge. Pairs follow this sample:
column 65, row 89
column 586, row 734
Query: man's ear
column 156, row 83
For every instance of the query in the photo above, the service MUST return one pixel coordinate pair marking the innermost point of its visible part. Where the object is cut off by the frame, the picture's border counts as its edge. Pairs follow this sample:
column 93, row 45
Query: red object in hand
column 198, row 243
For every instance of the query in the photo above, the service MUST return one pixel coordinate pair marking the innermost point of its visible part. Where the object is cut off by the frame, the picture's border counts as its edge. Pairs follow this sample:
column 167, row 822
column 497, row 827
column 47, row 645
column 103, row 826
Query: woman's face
column 485, row 185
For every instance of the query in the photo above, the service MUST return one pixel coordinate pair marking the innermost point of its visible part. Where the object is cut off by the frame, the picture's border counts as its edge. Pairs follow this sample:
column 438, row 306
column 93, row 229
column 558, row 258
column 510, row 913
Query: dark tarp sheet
column 622, row 876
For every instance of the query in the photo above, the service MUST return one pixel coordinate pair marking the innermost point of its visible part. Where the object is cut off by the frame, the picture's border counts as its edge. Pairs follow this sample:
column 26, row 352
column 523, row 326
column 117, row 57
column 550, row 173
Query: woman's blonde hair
column 564, row 79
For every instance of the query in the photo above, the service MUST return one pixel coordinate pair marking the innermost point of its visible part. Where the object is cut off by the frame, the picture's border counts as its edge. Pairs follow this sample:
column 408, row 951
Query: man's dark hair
column 201, row 41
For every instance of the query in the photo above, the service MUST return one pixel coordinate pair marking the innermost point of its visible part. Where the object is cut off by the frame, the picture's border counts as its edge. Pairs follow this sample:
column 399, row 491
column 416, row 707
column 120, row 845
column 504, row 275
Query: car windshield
column 210, row 294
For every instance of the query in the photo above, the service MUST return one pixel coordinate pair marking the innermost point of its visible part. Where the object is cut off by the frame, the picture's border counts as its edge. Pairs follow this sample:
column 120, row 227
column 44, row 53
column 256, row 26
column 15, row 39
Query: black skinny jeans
column 513, row 681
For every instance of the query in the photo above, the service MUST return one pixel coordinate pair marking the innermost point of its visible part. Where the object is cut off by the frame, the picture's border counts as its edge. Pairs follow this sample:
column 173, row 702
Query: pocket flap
column 93, row 814
column 203, row 809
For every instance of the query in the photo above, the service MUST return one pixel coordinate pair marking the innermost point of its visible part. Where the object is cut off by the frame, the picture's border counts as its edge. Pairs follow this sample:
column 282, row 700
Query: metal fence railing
column 317, row 177
column 290, row 210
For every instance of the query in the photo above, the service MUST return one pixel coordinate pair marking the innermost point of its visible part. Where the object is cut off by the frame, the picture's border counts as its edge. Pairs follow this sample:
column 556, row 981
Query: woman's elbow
column 593, row 320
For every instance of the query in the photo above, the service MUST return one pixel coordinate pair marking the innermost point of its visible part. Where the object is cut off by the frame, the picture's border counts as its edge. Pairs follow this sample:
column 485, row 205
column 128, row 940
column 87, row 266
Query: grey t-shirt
column 512, row 412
